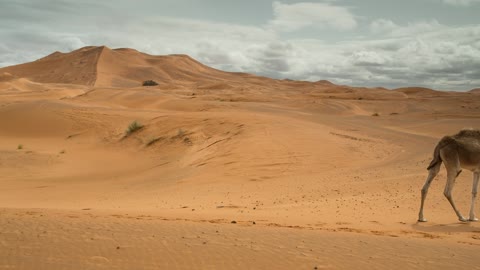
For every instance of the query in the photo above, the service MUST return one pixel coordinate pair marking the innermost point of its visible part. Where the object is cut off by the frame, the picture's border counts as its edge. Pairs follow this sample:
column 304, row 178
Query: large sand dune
column 229, row 171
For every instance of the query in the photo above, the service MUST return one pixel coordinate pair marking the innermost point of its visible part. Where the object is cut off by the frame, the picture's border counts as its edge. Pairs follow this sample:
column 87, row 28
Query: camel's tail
column 436, row 153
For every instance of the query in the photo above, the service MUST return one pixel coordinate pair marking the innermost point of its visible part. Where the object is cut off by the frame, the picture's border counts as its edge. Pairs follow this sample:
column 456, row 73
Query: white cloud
column 369, row 58
column 444, row 58
column 390, row 28
column 291, row 17
column 271, row 58
column 382, row 26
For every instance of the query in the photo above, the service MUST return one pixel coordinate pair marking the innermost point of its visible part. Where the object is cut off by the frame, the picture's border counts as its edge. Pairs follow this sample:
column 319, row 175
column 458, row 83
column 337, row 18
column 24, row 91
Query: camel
column 461, row 150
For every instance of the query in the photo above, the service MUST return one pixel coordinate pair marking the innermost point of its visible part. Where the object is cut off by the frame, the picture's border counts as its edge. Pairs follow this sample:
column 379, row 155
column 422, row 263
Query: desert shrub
column 20, row 147
column 375, row 114
column 134, row 126
column 149, row 83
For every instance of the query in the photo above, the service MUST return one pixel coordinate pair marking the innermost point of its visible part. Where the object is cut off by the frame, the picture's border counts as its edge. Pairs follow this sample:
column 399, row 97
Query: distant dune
column 104, row 67
column 5, row 77
column 475, row 90
column 100, row 66
column 417, row 91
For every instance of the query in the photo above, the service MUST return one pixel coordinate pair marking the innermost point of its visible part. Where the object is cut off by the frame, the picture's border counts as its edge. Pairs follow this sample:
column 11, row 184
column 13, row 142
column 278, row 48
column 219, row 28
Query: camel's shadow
column 473, row 227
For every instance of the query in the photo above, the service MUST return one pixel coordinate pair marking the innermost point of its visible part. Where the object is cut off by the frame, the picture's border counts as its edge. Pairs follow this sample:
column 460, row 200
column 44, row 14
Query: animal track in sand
column 230, row 206
column 351, row 137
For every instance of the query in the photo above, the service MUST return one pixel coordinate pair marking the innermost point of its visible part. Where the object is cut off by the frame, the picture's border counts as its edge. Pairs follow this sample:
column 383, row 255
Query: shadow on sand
column 446, row 228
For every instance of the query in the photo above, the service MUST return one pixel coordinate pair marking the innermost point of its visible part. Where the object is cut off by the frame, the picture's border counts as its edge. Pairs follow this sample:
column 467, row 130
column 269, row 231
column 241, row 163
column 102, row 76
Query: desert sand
column 229, row 171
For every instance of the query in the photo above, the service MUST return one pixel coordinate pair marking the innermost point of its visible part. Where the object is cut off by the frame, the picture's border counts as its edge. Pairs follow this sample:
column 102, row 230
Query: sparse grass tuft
column 180, row 134
column 375, row 114
column 133, row 127
column 62, row 152
column 20, row 147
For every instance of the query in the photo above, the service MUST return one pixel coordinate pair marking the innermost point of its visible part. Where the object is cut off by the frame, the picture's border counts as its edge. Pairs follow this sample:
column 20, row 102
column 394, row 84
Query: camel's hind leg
column 474, row 195
column 432, row 172
column 453, row 170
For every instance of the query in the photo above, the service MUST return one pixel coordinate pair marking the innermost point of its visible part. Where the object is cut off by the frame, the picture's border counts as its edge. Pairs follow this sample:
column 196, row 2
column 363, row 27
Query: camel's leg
column 474, row 195
column 452, row 173
column 431, row 175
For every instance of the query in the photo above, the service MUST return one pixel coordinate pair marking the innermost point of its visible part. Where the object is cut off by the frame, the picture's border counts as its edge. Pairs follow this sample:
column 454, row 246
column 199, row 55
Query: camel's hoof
column 462, row 219
column 422, row 220
column 473, row 219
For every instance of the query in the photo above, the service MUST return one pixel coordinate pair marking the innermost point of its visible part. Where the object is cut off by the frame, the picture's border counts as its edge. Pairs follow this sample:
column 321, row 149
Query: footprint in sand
column 98, row 261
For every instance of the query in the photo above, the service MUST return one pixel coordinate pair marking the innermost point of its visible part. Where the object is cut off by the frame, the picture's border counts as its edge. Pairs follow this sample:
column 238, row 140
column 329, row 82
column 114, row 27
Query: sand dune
column 475, row 90
column 104, row 67
column 5, row 77
column 77, row 67
column 420, row 91
column 228, row 171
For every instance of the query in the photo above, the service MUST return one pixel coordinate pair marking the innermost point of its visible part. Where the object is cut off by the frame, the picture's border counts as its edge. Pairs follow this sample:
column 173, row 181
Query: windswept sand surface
column 306, row 172
column 72, row 240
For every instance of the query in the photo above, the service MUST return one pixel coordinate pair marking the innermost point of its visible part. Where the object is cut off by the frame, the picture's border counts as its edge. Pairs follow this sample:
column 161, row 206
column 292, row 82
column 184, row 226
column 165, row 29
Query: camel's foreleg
column 474, row 195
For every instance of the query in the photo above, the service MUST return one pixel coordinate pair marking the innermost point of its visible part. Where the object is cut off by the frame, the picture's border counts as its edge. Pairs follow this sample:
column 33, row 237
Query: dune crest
column 5, row 77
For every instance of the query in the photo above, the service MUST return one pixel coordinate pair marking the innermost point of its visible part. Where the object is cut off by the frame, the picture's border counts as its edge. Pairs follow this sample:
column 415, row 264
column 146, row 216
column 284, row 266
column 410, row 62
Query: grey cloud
column 274, row 65
column 292, row 17
column 271, row 59
column 461, row 2
column 277, row 49
column 387, row 45
column 50, row 10
column 368, row 58
column 210, row 54
column 423, row 60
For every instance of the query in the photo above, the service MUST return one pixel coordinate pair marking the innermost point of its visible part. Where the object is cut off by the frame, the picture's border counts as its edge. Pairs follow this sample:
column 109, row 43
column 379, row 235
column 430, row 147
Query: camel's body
column 461, row 150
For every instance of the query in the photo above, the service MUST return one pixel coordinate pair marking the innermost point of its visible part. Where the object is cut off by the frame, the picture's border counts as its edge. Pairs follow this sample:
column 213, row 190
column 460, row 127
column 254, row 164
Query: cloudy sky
column 391, row 43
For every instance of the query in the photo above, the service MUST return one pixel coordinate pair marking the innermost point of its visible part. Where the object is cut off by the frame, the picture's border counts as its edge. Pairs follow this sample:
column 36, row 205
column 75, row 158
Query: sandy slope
column 326, row 183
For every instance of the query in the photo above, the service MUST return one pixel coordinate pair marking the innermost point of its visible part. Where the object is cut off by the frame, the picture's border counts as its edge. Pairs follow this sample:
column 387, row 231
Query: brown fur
column 468, row 133
column 449, row 140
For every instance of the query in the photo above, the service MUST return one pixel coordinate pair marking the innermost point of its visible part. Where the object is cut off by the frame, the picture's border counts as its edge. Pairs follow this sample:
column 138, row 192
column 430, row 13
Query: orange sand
column 309, row 175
